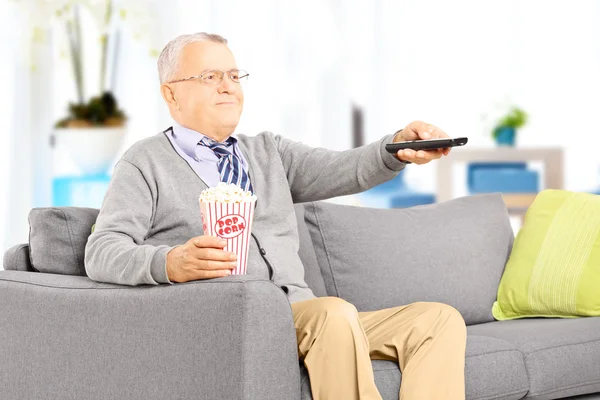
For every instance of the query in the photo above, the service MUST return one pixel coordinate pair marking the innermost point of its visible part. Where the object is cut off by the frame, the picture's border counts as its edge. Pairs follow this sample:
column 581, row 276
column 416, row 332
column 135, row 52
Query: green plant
column 99, row 111
column 515, row 118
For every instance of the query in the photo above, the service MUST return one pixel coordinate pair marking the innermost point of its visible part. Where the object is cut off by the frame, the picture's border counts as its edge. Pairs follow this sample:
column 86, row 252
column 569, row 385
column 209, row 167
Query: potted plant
column 505, row 131
column 93, row 129
column 93, row 133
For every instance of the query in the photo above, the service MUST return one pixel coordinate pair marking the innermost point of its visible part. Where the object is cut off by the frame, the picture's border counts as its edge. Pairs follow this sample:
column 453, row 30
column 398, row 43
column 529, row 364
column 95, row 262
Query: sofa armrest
column 69, row 337
column 17, row 258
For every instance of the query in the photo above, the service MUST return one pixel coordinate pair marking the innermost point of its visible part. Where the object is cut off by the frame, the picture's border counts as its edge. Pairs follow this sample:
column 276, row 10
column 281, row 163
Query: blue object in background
column 505, row 136
column 411, row 199
column 79, row 191
column 501, row 177
column 475, row 166
column 394, row 194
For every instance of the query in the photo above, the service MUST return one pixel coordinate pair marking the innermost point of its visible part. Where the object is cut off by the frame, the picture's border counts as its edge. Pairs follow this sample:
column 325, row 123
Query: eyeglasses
column 214, row 77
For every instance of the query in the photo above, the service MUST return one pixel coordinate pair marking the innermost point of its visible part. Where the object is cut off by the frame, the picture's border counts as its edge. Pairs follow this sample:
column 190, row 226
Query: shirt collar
column 188, row 139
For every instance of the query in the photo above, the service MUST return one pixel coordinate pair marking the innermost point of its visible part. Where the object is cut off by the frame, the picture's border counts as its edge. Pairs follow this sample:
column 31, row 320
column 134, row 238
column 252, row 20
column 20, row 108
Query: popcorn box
column 232, row 222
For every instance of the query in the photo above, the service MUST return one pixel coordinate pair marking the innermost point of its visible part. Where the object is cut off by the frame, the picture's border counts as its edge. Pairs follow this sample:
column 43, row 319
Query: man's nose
column 227, row 85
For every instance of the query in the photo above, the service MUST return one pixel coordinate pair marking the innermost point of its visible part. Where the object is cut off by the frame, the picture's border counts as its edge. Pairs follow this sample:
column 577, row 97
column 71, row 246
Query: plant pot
column 505, row 136
column 93, row 150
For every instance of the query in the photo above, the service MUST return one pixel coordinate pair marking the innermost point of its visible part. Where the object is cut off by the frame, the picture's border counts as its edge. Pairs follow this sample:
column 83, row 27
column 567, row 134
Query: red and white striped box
column 232, row 222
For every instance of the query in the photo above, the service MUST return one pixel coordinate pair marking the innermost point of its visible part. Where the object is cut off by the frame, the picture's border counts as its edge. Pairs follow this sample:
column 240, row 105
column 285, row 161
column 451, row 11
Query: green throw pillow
column 554, row 266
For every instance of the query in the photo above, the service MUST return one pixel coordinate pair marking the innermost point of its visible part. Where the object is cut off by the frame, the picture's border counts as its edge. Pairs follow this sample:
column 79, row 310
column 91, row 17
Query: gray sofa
column 64, row 336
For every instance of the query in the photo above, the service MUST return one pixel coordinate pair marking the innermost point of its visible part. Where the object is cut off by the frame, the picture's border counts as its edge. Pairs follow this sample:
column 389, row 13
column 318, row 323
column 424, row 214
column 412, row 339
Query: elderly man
column 149, row 229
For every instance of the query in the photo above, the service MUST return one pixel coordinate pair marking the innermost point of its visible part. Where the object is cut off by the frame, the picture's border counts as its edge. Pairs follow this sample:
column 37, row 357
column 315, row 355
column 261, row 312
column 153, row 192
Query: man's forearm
column 115, row 252
column 110, row 258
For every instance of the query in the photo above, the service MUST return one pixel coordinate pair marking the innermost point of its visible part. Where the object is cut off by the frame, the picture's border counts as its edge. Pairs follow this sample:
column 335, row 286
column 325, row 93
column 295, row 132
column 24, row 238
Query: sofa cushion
column 562, row 356
column 57, row 238
column 554, row 267
column 494, row 369
column 312, row 273
column 452, row 252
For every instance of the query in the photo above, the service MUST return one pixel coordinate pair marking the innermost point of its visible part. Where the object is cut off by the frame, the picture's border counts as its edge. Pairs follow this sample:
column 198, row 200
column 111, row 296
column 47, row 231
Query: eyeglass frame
column 228, row 73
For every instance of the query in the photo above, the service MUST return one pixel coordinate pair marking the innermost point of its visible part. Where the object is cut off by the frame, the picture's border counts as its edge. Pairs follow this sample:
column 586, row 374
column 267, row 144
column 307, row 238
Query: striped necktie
column 230, row 166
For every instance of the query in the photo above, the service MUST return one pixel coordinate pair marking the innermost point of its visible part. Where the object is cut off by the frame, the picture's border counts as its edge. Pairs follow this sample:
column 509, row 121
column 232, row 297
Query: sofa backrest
column 452, row 252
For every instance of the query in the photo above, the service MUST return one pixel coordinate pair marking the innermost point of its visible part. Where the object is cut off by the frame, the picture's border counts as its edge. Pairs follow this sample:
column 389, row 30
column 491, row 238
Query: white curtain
column 6, row 105
column 27, row 100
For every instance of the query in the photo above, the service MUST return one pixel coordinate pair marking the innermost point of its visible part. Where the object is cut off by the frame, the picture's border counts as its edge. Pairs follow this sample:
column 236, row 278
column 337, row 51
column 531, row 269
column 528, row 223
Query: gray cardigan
column 151, row 205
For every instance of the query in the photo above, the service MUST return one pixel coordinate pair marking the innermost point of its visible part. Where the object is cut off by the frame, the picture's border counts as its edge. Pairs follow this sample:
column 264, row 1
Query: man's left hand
column 418, row 130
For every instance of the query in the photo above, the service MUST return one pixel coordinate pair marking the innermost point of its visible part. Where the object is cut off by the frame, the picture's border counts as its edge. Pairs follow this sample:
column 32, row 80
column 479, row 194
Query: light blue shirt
column 201, row 158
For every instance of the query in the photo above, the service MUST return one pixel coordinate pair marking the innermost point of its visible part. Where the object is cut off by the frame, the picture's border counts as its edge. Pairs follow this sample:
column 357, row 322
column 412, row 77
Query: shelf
column 552, row 159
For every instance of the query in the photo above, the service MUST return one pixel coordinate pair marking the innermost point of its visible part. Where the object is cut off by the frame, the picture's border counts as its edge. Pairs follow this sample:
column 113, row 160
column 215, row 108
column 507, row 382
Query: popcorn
column 227, row 212
column 226, row 193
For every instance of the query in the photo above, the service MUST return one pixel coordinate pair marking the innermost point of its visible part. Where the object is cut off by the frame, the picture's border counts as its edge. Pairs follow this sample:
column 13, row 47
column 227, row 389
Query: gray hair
column 168, row 61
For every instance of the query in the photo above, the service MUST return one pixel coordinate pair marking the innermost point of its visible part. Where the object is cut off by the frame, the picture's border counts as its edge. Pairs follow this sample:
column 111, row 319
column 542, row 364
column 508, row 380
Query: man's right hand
column 201, row 257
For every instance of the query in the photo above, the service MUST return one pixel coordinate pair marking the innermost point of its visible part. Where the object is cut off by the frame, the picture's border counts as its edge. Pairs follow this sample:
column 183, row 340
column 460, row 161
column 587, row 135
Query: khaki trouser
column 337, row 344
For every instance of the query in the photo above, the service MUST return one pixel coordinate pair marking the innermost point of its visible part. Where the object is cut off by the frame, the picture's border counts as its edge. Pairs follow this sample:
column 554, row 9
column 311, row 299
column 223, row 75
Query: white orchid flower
column 108, row 15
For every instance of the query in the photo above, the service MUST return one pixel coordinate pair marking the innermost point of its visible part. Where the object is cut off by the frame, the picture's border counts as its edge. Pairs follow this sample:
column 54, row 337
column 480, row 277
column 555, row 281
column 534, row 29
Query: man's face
column 213, row 110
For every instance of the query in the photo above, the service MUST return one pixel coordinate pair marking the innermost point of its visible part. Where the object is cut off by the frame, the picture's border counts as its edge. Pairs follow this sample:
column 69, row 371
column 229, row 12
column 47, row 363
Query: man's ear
column 169, row 96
